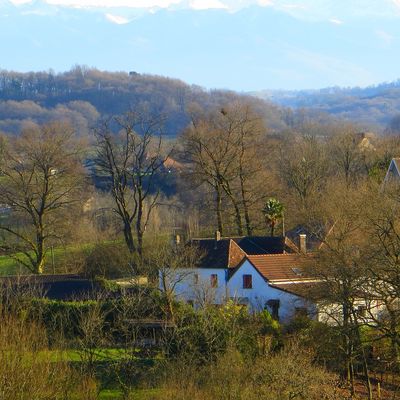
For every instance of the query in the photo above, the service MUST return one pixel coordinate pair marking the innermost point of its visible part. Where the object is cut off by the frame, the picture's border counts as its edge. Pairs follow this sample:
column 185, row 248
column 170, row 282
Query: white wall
column 198, row 290
column 261, row 292
column 332, row 314
column 201, row 292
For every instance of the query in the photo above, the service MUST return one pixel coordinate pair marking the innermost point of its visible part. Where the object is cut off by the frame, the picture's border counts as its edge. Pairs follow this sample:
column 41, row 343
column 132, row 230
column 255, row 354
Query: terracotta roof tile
column 280, row 267
column 303, row 289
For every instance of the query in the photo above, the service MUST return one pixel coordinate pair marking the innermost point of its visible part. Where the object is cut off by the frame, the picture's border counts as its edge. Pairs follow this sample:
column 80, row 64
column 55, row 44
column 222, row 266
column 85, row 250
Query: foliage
column 202, row 335
column 273, row 211
column 27, row 370
column 83, row 95
column 107, row 260
column 288, row 374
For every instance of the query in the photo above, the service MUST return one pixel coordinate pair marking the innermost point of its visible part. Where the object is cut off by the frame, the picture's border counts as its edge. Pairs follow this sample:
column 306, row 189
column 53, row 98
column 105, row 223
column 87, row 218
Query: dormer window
column 297, row 271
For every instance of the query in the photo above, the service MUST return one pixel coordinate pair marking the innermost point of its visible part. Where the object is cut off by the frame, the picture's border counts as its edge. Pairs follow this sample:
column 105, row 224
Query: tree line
column 229, row 172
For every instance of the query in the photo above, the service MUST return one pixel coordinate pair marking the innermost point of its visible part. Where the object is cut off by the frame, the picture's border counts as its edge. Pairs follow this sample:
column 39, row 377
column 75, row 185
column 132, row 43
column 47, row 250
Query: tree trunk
column 238, row 218
column 219, row 208
column 249, row 228
column 129, row 237
column 40, row 256
column 139, row 230
column 364, row 358
column 348, row 345
column 272, row 228
column 394, row 339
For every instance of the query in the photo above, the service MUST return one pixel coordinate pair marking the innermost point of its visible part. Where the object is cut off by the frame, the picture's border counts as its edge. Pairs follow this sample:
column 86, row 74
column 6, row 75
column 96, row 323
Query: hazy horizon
column 241, row 45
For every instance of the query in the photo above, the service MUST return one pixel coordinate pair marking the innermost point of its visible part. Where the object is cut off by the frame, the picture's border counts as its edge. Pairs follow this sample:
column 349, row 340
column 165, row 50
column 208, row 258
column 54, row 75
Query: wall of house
column 258, row 296
column 194, row 285
column 332, row 314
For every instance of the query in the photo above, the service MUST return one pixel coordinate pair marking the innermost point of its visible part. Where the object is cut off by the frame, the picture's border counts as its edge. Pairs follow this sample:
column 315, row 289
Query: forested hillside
column 374, row 106
column 83, row 96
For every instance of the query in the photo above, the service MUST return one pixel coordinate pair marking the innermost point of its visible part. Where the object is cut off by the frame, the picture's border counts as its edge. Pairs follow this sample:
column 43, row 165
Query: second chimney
column 217, row 236
column 303, row 242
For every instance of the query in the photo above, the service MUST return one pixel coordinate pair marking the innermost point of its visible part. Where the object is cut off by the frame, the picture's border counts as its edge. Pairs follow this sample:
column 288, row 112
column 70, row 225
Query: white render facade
column 197, row 286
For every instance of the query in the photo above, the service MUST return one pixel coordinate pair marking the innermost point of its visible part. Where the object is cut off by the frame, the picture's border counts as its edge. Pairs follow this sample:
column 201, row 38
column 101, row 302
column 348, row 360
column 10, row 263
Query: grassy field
column 138, row 394
column 10, row 266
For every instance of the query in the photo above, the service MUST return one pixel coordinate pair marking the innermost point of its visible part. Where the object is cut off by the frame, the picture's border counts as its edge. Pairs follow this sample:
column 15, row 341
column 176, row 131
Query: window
column 247, row 281
column 214, row 280
column 273, row 307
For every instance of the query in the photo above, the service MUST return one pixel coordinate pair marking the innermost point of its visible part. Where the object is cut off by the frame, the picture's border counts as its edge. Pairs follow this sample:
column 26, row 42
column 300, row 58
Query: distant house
column 393, row 172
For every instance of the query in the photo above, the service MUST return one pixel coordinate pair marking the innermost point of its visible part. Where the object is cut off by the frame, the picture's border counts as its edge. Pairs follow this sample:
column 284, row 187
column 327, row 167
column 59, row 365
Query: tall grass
column 29, row 372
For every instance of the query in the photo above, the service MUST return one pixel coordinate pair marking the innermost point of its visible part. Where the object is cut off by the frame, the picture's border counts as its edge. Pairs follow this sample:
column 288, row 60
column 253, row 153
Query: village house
column 259, row 273
column 393, row 172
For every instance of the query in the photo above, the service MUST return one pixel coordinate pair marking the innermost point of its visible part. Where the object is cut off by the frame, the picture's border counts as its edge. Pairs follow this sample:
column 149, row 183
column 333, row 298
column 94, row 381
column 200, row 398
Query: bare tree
column 221, row 149
column 42, row 182
column 383, row 262
column 347, row 153
column 304, row 167
column 340, row 264
column 249, row 134
column 131, row 160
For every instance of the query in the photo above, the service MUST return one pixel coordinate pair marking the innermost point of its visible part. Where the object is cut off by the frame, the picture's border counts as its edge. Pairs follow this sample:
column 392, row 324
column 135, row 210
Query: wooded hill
column 83, row 96
column 373, row 107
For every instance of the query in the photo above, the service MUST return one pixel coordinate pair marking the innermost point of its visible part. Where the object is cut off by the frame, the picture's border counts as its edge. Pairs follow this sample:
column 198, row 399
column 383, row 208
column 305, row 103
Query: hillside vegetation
column 374, row 106
column 83, row 96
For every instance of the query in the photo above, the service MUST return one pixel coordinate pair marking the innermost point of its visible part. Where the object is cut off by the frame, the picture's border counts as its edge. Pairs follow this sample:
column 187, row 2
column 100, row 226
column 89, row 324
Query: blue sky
column 237, row 44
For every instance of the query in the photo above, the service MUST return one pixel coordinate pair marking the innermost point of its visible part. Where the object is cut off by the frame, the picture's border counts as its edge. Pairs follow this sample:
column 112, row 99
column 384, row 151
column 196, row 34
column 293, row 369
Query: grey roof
column 55, row 287
column 218, row 253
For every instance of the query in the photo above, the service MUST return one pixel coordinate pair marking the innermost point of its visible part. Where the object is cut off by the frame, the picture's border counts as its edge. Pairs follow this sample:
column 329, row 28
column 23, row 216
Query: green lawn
column 107, row 354
column 138, row 394
column 10, row 266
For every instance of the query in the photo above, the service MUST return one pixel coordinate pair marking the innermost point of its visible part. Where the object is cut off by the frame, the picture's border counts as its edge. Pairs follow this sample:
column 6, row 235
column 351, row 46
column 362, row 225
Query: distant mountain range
column 250, row 49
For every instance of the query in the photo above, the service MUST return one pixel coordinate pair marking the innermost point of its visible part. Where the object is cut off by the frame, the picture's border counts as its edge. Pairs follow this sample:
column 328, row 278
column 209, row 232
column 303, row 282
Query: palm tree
column 273, row 211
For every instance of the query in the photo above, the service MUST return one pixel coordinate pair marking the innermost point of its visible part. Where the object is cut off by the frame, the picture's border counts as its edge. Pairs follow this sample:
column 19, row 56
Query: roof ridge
column 273, row 255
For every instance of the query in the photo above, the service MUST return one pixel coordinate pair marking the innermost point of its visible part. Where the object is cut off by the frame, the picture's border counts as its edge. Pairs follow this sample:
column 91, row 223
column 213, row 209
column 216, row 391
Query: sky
column 302, row 8
column 279, row 44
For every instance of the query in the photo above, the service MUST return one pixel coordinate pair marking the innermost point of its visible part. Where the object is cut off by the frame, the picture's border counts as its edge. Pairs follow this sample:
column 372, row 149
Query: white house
column 258, row 272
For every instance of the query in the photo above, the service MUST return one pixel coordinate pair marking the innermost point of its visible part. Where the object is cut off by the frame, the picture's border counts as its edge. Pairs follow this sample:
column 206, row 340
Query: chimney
column 217, row 236
column 303, row 242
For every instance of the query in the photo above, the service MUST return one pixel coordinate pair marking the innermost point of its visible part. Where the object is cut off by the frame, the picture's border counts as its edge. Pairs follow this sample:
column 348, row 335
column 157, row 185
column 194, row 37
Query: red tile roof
column 305, row 289
column 280, row 267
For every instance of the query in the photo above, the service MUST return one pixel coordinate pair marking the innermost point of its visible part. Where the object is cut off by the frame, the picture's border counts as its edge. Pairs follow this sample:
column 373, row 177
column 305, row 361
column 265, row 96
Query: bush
column 289, row 374
column 204, row 334
column 108, row 260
